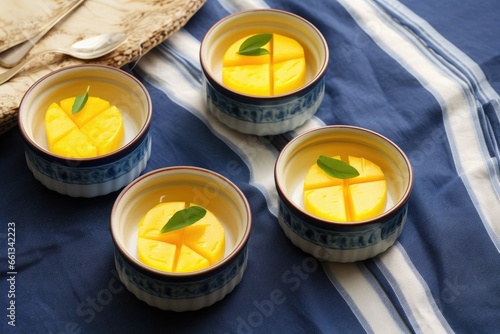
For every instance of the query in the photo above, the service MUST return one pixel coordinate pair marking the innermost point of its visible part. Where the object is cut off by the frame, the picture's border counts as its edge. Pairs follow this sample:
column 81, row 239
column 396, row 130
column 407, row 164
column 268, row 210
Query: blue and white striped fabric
column 425, row 74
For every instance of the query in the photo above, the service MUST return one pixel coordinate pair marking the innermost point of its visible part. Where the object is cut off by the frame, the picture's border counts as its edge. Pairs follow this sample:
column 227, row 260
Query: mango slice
column 95, row 130
column 191, row 248
column 343, row 200
column 279, row 72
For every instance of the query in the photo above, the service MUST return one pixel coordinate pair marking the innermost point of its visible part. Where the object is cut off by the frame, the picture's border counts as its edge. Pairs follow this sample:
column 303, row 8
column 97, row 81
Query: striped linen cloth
column 425, row 74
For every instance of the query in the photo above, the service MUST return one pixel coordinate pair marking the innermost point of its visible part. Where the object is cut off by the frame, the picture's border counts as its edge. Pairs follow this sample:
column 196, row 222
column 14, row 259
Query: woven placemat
column 147, row 23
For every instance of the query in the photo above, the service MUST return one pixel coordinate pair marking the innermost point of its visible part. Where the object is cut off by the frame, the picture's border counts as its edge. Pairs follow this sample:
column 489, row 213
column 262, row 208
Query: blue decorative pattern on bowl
column 77, row 181
column 265, row 111
column 184, row 289
column 355, row 238
column 77, row 174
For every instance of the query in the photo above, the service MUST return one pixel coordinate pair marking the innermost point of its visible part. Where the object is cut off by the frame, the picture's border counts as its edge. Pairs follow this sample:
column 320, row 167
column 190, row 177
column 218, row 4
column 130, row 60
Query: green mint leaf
column 255, row 52
column 336, row 168
column 80, row 101
column 183, row 218
column 252, row 46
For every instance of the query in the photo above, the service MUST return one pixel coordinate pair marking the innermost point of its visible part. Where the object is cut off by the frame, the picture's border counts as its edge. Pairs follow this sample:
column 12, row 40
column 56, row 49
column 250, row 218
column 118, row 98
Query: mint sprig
column 184, row 218
column 336, row 168
column 80, row 101
column 252, row 46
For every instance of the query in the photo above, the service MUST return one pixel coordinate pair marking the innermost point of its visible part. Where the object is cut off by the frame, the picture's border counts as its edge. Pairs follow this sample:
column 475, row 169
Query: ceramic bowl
column 341, row 241
column 87, row 177
column 260, row 115
column 181, row 291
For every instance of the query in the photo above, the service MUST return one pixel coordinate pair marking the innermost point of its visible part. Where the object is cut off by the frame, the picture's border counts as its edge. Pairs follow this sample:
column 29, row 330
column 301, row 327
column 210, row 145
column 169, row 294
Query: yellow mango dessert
column 280, row 71
column 341, row 200
column 191, row 248
column 95, row 130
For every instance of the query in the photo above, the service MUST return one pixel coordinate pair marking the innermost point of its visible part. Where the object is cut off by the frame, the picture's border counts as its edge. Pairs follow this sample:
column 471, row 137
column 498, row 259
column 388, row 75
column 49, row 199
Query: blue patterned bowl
column 260, row 115
column 87, row 177
column 341, row 241
column 181, row 291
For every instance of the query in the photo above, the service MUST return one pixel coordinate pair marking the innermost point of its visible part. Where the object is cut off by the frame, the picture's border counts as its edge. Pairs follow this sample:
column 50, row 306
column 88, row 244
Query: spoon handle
column 14, row 70
column 9, row 58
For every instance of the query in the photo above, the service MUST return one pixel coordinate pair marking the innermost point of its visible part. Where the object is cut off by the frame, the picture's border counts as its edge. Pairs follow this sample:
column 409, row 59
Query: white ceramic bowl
column 181, row 291
column 260, row 115
column 341, row 241
column 87, row 177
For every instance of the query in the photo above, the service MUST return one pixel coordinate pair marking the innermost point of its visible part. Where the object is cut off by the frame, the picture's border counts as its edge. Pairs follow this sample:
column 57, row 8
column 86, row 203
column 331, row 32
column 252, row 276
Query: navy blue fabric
column 66, row 281
column 461, row 27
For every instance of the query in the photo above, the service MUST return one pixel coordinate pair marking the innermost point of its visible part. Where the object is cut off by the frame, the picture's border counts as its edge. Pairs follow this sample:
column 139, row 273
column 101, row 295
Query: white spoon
column 89, row 48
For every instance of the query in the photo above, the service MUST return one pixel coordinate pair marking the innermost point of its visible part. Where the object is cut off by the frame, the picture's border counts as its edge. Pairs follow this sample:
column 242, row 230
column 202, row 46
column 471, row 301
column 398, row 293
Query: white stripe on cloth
column 412, row 291
column 405, row 48
column 480, row 171
column 457, row 103
column 466, row 64
column 236, row 6
column 368, row 302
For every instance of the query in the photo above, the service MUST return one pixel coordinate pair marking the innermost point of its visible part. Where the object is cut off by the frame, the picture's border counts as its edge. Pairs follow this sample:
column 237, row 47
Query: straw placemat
column 147, row 23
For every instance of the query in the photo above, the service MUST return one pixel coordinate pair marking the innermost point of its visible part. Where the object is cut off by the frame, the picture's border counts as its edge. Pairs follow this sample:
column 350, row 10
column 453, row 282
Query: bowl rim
column 224, row 262
column 76, row 161
column 325, row 223
column 306, row 87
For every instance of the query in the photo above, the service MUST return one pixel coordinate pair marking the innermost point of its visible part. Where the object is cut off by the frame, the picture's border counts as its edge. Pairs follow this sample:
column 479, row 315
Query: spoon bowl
column 89, row 48
column 96, row 46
